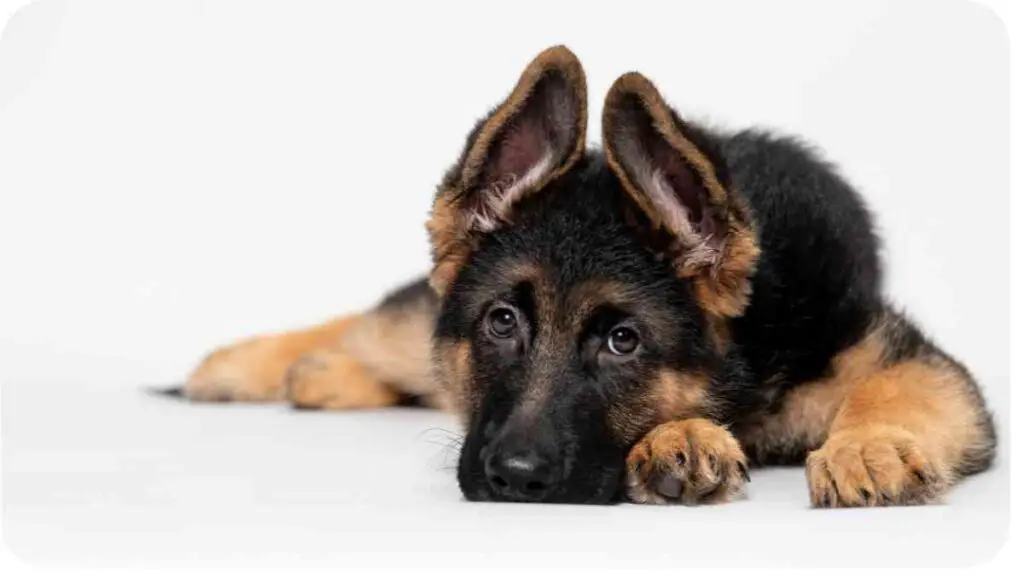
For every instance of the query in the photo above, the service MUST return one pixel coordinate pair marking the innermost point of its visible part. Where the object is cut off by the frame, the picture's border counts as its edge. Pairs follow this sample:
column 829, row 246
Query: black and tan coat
column 644, row 320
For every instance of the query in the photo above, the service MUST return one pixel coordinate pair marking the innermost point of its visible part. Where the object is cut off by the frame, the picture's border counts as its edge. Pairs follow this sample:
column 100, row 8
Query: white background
column 174, row 175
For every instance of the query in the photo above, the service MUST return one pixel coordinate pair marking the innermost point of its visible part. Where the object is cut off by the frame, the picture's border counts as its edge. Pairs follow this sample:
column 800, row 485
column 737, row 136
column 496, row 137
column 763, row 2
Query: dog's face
column 576, row 341
column 583, row 295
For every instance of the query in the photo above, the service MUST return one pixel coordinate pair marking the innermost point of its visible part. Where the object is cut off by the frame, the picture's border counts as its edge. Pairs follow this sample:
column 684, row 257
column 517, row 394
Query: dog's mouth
column 490, row 474
column 600, row 497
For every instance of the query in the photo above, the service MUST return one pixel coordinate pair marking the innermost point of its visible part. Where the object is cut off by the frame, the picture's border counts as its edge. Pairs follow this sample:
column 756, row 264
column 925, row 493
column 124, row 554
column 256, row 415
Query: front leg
column 903, row 435
column 693, row 461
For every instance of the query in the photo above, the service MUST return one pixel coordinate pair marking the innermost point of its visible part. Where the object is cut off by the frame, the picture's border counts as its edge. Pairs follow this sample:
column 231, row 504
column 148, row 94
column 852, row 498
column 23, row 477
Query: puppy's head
column 584, row 295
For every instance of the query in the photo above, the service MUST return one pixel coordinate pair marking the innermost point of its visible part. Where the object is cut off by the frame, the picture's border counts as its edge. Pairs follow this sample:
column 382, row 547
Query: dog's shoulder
column 817, row 286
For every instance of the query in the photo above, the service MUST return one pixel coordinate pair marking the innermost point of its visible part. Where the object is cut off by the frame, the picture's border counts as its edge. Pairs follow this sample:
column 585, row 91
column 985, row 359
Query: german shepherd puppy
column 642, row 321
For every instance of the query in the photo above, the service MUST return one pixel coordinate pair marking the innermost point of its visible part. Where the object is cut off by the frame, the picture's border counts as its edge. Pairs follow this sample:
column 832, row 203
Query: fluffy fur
column 737, row 270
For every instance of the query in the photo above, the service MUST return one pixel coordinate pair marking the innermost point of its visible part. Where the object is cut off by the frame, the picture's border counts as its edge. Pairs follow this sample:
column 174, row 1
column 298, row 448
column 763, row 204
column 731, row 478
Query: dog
column 642, row 321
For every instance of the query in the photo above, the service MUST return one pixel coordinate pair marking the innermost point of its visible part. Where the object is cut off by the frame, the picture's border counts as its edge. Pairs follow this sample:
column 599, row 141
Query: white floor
column 118, row 477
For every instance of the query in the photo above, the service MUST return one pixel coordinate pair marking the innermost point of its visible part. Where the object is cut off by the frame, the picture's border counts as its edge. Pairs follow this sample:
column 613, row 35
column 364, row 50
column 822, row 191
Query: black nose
column 520, row 475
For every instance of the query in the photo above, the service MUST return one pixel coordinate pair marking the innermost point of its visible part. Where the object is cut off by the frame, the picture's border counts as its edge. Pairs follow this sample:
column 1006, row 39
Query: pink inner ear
column 531, row 145
column 687, row 192
column 662, row 173
column 518, row 151
column 523, row 157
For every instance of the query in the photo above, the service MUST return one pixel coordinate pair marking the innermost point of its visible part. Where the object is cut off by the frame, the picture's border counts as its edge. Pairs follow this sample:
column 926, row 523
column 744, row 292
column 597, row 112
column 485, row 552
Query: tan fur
column 332, row 380
column 805, row 415
column 360, row 361
column 672, row 396
column 394, row 346
column 726, row 291
column 897, row 437
column 447, row 233
column 721, row 335
column 692, row 461
column 453, row 374
column 880, row 434
column 450, row 229
column 253, row 370
column 680, row 395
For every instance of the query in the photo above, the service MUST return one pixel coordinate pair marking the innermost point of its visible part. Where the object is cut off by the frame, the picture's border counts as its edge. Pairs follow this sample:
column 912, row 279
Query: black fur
column 817, row 285
column 816, row 288
column 816, row 291
column 413, row 293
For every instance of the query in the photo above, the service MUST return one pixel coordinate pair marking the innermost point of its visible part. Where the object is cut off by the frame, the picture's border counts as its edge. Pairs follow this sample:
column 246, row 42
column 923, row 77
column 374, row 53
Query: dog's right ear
column 534, row 136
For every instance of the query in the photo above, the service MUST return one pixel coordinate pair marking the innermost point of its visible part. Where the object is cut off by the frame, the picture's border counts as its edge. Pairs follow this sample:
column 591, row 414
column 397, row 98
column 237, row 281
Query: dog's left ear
column 669, row 171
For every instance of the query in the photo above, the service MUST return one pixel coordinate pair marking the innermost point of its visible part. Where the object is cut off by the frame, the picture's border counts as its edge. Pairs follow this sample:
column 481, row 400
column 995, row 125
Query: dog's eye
column 502, row 322
column 622, row 341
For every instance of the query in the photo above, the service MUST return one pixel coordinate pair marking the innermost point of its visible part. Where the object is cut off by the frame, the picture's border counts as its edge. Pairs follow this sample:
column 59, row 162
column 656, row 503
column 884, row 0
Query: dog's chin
column 606, row 490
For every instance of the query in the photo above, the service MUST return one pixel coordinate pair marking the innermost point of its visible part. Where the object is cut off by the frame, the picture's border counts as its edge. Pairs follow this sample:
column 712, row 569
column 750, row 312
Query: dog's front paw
column 873, row 466
column 689, row 462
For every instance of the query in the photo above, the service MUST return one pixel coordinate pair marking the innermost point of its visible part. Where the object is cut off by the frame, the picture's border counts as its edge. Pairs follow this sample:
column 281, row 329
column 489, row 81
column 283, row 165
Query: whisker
column 449, row 442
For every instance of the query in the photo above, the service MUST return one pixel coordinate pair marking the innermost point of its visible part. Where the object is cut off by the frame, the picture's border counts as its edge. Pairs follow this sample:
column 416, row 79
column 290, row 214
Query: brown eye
column 623, row 341
column 502, row 322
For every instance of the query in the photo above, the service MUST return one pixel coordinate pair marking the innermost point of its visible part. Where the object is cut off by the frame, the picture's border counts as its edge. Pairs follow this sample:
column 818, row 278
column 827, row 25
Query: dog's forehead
column 565, row 289
column 574, row 271
column 573, row 244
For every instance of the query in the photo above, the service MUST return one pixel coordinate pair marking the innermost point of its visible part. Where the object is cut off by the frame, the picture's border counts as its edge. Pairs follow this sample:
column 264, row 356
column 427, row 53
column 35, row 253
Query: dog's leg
column 331, row 379
column 904, row 431
column 379, row 355
column 260, row 369
column 364, row 361
column 902, row 436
